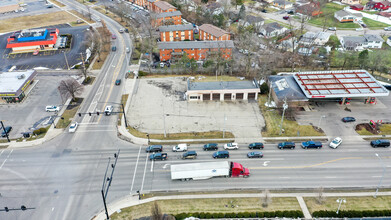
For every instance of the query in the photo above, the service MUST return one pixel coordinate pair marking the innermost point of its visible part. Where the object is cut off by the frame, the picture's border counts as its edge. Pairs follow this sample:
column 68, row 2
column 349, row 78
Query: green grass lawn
column 372, row 24
column 68, row 114
column 273, row 121
column 328, row 17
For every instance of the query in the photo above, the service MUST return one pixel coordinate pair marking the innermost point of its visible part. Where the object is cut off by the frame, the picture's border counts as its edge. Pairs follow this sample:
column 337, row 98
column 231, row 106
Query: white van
column 180, row 147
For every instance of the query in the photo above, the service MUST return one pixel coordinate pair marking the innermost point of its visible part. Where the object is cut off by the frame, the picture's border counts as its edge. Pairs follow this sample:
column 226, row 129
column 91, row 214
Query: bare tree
column 89, row 15
column 156, row 213
column 266, row 199
column 320, row 196
column 70, row 88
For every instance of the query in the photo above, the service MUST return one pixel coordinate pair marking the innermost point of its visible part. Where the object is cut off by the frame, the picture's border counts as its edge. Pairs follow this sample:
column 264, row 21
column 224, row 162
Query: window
column 193, row 97
column 377, row 42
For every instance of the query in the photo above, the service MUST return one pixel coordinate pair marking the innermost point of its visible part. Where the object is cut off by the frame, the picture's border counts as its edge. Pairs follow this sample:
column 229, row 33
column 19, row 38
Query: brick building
column 176, row 32
column 199, row 50
column 149, row 4
column 168, row 18
column 162, row 6
column 142, row 3
column 211, row 32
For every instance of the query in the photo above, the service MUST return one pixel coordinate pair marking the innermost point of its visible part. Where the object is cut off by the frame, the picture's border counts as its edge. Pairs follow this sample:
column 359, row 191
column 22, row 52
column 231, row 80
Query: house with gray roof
column 285, row 87
column 359, row 43
column 315, row 38
column 255, row 21
column 272, row 29
column 345, row 16
column 179, row 27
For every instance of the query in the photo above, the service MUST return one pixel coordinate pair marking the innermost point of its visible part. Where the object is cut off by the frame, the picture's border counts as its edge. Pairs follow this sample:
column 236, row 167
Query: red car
column 113, row 37
column 286, row 17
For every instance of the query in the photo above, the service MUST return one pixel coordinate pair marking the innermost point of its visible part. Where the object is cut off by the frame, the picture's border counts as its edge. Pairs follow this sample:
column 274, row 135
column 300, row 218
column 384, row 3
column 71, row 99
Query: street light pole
column 105, row 187
column 225, row 119
column 340, row 201
column 285, row 107
column 5, row 132
column 382, row 176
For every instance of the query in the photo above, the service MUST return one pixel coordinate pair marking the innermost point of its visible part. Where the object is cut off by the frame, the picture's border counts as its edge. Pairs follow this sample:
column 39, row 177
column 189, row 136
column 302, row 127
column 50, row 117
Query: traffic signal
column 97, row 113
column 89, row 113
column 23, row 208
column 6, row 209
column 79, row 114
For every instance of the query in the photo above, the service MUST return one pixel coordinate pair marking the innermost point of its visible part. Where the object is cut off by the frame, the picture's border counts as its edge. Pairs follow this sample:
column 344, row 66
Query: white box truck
column 180, row 147
column 200, row 171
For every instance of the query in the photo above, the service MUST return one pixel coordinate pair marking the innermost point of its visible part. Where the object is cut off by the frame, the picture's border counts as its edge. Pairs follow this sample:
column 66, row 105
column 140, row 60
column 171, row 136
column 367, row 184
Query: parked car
column 348, row 119
column 35, row 53
column 311, row 144
column 231, row 146
column 154, row 148
column 291, row 12
column 363, row 25
column 73, row 127
column 189, row 155
column 283, row 145
column 255, row 154
column 359, row 29
column 256, row 145
column 387, row 28
column 387, row 87
column 380, row 143
column 332, row 28
column 109, row 109
column 211, row 146
column 158, row 156
column 264, row 10
column 118, row 82
column 336, row 142
column 221, row 154
column 6, row 131
column 286, row 17
column 180, row 147
column 52, row 108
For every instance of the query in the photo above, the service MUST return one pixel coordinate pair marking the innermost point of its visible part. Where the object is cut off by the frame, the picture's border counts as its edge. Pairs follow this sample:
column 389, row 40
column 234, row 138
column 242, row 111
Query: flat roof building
column 222, row 91
column 13, row 84
column 34, row 39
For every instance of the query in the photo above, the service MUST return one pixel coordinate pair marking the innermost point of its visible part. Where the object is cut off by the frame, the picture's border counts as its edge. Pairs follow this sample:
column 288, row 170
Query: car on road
column 179, row 147
column 348, row 119
column 121, row 30
column 287, row 144
column 154, row 148
column 255, row 154
column 158, row 156
column 189, row 155
column 127, row 50
column 109, row 109
column 332, row 28
column 311, row 144
column 380, row 143
column 387, row 87
column 113, row 36
column 387, row 28
column 113, row 48
column 118, row 82
column 336, row 142
column 231, row 146
column 6, row 131
column 52, row 108
column 286, row 17
column 256, row 145
column 221, row 154
column 73, row 127
column 211, row 146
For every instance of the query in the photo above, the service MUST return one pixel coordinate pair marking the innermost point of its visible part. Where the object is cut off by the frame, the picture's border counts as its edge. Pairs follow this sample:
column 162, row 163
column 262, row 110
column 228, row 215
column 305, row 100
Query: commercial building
column 34, row 39
column 285, row 88
column 211, row 32
column 168, row 18
column 176, row 32
column 14, row 84
column 222, row 91
column 199, row 50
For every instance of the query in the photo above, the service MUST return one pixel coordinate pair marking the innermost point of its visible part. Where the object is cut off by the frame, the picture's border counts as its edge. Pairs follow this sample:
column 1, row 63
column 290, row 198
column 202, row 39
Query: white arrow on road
column 165, row 165
column 266, row 163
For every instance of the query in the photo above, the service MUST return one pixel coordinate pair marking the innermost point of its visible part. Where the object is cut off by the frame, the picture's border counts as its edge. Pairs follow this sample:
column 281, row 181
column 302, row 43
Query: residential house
column 359, row 43
column 351, row 2
column 282, row 4
column 211, row 32
column 311, row 9
column 357, row 7
column 176, row 32
column 255, row 21
column 301, row 2
column 389, row 41
column 168, row 18
column 380, row 6
column 198, row 50
column 162, row 6
column 344, row 16
column 312, row 38
column 272, row 29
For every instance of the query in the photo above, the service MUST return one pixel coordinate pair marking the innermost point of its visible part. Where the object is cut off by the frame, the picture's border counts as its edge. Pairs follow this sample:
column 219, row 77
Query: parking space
column 28, row 8
column 56, row 59
column 30, row 114
column 159, row 105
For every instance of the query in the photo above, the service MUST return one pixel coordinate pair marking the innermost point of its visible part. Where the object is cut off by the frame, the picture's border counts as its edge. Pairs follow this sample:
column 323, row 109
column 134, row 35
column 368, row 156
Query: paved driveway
column 159, row 105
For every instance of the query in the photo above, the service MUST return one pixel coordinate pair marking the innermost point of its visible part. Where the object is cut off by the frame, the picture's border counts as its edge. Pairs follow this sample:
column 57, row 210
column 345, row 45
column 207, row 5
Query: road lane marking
column 330, row 177
column 284, row 177
column 376, row 176
column 152, row 165
column 2, row 152
column 6, row 159
column 145, row 170
column 307, row 166
column 135, row 169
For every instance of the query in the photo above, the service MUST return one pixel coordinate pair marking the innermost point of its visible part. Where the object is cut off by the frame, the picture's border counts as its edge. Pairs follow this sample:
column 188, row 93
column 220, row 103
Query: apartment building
column 211, row 32
column 176, row 32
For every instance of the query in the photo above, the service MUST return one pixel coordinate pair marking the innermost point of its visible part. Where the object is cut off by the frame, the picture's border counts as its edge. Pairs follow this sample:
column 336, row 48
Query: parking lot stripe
column 6, row 159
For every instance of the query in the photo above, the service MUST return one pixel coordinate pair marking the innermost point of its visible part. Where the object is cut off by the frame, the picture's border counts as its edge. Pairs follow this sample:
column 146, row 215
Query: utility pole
column 225, row 119
column 270, row 92
column 105, row 187
column 123, row 110
column 6, row 133
column 164, row 124
column 285, row 107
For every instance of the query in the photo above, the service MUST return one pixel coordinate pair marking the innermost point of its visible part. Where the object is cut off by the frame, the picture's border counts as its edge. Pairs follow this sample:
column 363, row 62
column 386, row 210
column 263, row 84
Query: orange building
column 162, row 6
column 211, row 32
column 168, row 18
column 142, row 3
column 176, row 32
column 199, row 50
column 149, row 4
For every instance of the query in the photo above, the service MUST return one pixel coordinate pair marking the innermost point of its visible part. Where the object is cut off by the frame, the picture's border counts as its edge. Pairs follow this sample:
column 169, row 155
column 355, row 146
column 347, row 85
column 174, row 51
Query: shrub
column 142, row 73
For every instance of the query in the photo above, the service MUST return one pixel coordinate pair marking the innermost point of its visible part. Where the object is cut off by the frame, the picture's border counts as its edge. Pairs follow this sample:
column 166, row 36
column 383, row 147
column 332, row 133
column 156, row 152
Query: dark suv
column 189, row 155
column 284, row 145
column 154, row 148
column 158, row 156
column 7, row 130
column 255, row 146
column 380, row 143
column 210, row 147
column 221, row 154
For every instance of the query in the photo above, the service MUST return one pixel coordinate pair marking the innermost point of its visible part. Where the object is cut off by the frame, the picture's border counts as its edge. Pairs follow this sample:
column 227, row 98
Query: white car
column 73, row 127
column 336, row 142
column 52, row 108
column 108, row 109
column 387, row 28
column 231, row 146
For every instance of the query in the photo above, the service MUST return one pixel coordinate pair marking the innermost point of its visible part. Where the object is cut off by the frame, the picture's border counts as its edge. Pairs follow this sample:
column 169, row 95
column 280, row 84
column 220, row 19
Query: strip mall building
column 32, row 40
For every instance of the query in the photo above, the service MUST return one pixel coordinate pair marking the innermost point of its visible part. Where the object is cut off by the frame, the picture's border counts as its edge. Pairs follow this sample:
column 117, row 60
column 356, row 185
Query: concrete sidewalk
column 133, row 200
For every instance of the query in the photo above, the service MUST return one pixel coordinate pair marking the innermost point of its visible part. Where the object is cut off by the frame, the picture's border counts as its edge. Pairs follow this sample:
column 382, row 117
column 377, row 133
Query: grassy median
column 69, row 114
